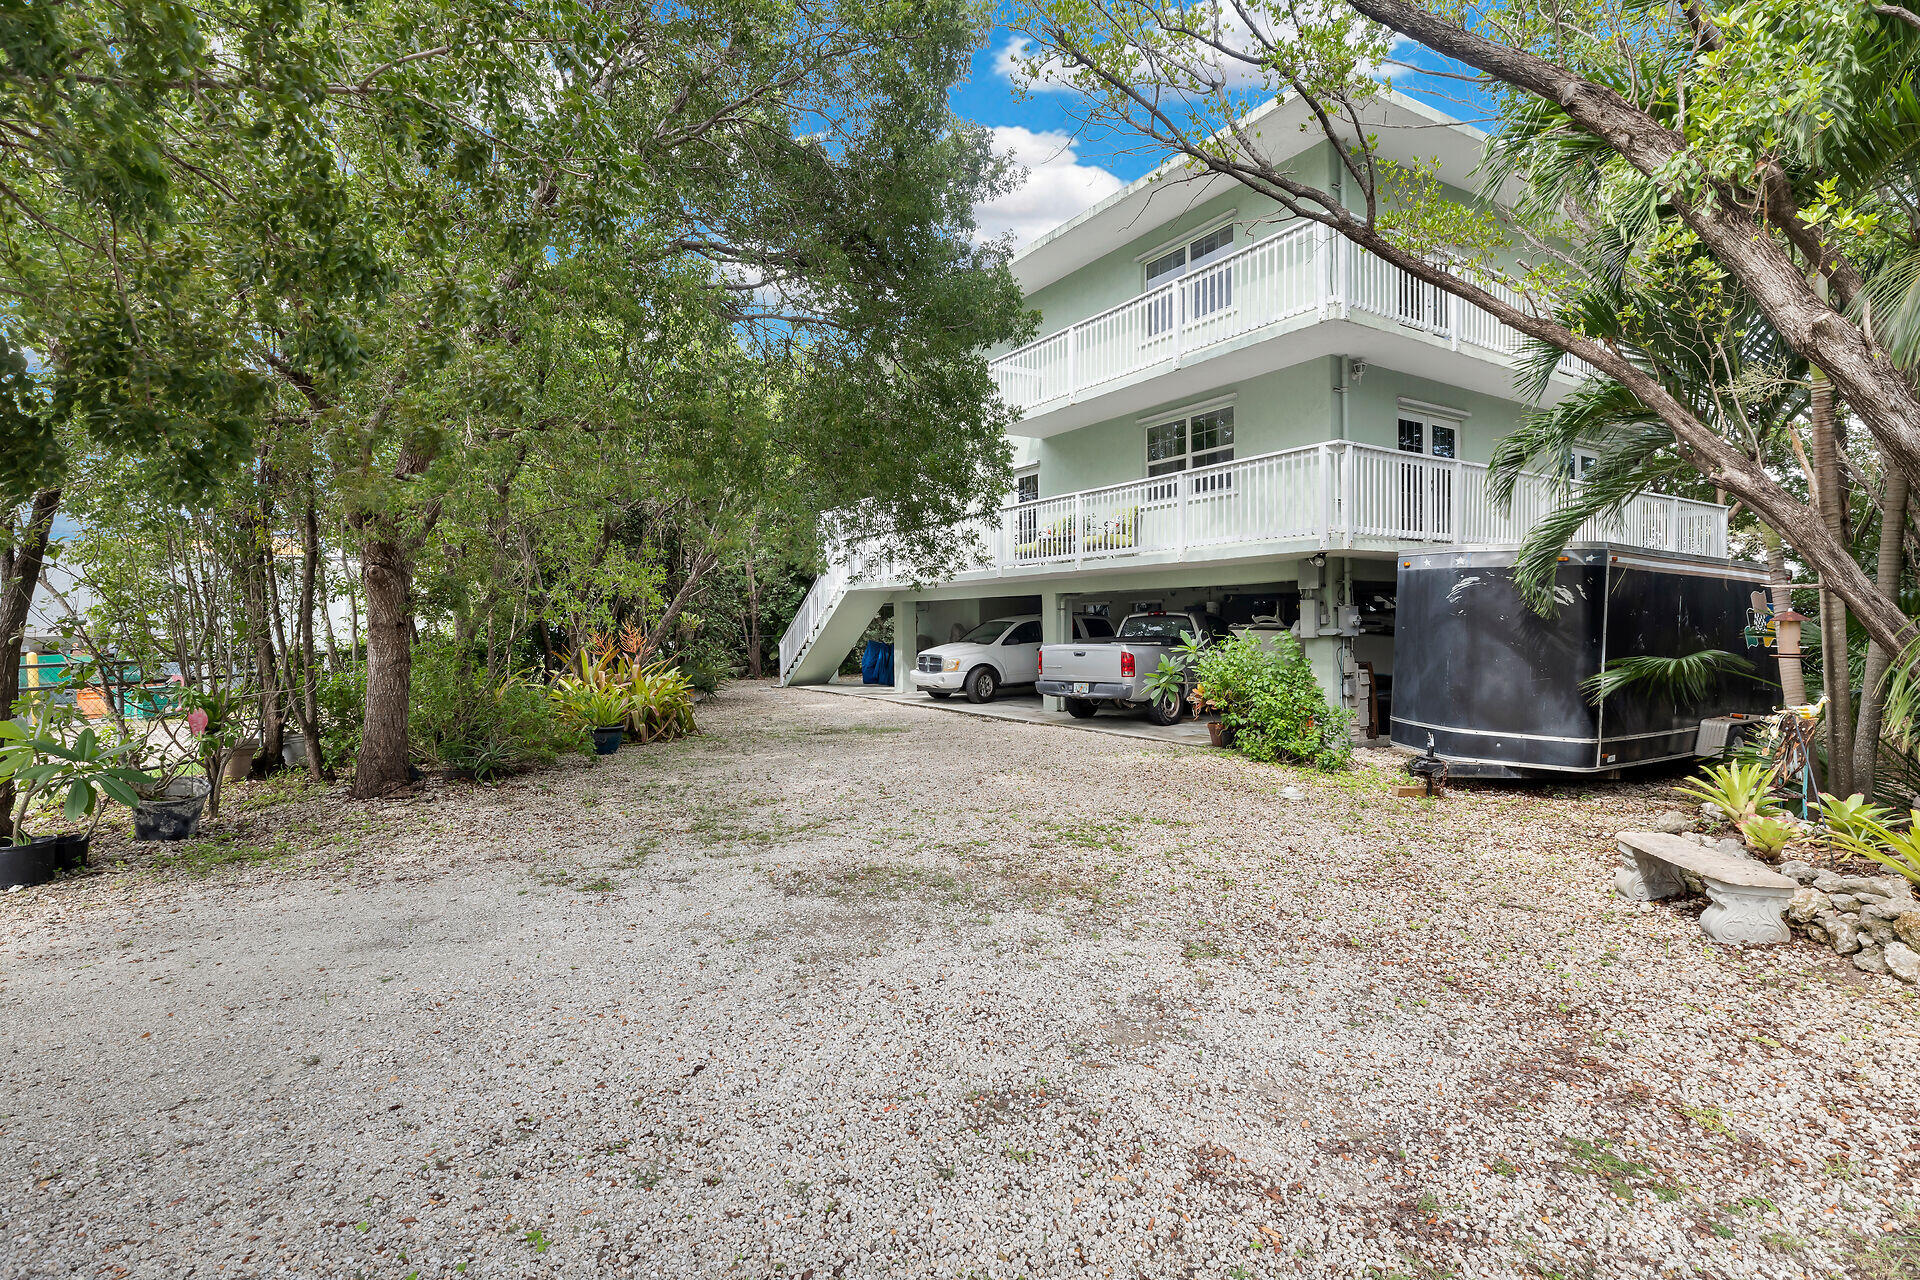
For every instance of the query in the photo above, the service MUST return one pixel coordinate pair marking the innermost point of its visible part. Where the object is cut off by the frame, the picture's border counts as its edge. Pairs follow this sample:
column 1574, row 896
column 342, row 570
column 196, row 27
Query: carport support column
column 1326, row 654
column 906, row 640
column 1056, row 627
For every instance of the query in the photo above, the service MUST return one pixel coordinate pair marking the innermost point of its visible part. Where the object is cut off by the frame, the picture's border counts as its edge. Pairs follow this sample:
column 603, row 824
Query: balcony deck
column 1272, row 286
column 1332, row 496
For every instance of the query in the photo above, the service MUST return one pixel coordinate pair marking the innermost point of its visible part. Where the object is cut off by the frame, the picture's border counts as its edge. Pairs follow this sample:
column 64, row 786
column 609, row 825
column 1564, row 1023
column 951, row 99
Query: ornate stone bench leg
column 1644, row 878
column 1741, row 916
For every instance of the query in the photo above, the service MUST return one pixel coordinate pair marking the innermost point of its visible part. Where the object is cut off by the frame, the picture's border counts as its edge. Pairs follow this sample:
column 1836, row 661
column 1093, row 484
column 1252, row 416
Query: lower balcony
column 1336, row 495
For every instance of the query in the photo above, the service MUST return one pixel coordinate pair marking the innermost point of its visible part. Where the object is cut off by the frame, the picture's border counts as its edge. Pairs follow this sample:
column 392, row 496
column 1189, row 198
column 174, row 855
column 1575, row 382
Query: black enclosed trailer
column 1495, row 687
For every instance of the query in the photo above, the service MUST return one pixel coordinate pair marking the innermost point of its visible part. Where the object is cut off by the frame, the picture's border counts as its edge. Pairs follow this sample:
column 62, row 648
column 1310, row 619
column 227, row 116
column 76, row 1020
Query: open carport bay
column 1023, row 706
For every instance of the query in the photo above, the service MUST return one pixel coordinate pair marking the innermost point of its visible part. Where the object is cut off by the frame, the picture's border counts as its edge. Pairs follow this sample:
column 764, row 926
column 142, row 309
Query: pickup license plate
column 1080, row 686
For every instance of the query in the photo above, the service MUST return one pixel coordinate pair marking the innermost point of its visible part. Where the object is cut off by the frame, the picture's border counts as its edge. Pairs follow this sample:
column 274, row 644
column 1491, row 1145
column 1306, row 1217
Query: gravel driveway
column 842, row 988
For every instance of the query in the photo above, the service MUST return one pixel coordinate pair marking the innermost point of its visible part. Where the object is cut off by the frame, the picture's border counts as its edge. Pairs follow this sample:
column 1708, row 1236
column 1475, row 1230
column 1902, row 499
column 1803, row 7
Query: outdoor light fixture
column 1318, row 559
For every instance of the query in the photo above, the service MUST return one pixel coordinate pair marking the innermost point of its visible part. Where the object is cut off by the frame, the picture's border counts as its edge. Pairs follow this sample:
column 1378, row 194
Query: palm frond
column 1684, row 679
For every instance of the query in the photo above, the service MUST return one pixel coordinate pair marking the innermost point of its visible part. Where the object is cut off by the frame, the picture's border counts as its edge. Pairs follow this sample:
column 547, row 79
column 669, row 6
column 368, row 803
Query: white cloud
column 1058, row 185
column 1010, row 64
column 1228, row 55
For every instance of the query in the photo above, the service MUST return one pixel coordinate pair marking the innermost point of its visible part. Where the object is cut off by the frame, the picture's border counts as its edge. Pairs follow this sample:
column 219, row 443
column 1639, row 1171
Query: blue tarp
column 876, row 663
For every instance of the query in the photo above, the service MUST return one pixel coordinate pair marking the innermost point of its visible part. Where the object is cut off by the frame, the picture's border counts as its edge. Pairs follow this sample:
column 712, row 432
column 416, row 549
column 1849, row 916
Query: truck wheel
column 940, row 693
column 1163, row 711
column 1081, row 708
column 982, row 684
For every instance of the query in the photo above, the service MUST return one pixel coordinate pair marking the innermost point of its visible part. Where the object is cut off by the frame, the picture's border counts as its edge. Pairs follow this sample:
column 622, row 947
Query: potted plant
column 36, row 755
column 605, row 712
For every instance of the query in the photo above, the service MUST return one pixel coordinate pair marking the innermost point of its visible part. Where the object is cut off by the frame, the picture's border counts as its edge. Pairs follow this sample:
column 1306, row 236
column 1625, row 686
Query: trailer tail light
column 1126, row 663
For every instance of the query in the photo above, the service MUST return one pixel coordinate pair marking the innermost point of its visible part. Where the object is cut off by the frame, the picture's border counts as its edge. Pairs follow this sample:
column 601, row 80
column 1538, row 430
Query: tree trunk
column 1873, row 693
column 257, row 564
column 309, row 697
column 20, row 565
column 1834, row 658
column 1793, row 680
column 388, row 574
column 753, row 620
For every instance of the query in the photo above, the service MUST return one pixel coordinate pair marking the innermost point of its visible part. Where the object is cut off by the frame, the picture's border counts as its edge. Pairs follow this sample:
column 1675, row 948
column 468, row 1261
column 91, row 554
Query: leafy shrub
column 342, row 696
column 1265, row 691
column 659, row 701
column 593, row 708
column 475, row 727
column 1897, row 849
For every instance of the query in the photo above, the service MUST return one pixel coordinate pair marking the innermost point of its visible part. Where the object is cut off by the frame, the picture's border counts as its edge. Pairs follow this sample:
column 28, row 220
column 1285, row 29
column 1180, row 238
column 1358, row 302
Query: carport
column 1021, row 706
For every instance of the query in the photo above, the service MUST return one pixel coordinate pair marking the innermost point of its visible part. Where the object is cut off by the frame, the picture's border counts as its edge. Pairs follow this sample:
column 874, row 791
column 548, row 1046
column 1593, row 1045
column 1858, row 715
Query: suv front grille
column 928, row 663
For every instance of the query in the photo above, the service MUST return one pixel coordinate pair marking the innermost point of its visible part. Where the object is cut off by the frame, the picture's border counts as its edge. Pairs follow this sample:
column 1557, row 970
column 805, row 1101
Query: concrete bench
column 1748, row 899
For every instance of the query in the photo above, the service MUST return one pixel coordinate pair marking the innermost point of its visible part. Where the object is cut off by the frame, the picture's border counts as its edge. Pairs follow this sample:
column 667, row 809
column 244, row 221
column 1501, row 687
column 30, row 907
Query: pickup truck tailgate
column 1088, row 662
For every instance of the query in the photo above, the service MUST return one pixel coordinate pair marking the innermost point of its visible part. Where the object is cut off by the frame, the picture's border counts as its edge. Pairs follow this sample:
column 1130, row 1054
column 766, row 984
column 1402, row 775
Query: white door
column 1020, row 654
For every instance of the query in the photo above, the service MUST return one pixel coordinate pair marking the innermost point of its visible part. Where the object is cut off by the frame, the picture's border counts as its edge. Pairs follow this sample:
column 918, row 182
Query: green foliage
column 1742, row 790
column 594, row 708
column 1266, row 692
column 659, row 701
column 1769, row 835
column 1897, row 849
column 1852, row 816
column 1684, row 680
column 39, row 758
column 475, row 726
column 342, row 698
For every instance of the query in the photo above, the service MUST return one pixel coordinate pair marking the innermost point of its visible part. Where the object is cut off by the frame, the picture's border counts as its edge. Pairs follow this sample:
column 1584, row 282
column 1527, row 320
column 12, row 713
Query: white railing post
column 1325, row 453
column 1079, row 528
column 1457, row 503
column 1179, row 516
column 1073, row 363
column 1179, row 319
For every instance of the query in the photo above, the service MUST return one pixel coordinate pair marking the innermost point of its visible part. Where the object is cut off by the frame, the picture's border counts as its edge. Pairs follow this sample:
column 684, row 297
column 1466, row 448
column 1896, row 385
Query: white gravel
column 847, row 989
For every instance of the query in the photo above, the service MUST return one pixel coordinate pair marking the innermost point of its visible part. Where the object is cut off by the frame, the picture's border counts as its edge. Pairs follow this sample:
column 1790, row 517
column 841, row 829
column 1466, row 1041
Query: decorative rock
column 1712, row 812
column 1885, row 908
column 1808, row 905
column 1733, row 848
column 1870, row 960
column 1693, row 837
column 1845, row 902
column 1902, row 962
column 1292, row 793
column 1866, row 886
column 1846, row 938
column 1907, row 927
column 1828, row 882
column 1673, row 823
column 1797, row 870
column 1880, row 931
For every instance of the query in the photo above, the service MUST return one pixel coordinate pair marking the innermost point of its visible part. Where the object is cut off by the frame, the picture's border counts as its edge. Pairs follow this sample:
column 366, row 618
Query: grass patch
column 228, row 849
column 1109, row 836
column 285, row 787
column 880, row 880
column 734, row 828
column 1622, row 1176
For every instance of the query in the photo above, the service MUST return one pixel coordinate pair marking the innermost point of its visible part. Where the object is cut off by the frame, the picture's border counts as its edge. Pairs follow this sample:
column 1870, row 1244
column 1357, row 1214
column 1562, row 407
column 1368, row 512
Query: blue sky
column 1068, row 171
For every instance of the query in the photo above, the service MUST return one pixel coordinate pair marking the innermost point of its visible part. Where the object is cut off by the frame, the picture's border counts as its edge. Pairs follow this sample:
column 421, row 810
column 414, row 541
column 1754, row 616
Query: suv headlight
column 951, row 664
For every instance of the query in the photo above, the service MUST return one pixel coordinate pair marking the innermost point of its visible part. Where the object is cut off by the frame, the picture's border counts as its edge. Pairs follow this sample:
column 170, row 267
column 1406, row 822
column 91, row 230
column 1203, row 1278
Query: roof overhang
column 1403, row 129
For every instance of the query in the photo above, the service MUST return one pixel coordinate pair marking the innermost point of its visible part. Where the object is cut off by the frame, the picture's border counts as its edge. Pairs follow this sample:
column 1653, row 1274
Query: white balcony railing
column 1324, row 496
column 1305, row 269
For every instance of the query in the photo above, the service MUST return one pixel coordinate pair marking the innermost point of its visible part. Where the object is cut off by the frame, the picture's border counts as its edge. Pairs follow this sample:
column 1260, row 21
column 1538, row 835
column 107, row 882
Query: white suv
column 998, row 652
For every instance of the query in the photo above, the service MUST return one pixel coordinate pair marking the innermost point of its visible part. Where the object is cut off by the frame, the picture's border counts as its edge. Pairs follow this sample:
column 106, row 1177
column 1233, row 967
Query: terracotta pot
column 240, row 763
column 1219, row 734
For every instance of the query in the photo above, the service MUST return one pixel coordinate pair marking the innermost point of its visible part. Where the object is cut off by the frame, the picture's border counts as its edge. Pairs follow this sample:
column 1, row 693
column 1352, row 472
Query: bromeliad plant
column 1897, row 849
column 659, row 701
column 602, row 708
column 1742, row 790
column 36, row 755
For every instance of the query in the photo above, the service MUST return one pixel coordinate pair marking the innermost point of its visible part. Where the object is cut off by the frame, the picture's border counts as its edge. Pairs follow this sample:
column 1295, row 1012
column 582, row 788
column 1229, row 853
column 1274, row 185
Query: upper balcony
column 1219, row 324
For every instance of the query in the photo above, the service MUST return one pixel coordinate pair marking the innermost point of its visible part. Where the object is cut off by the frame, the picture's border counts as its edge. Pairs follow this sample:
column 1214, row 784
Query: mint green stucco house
column 1227, row 406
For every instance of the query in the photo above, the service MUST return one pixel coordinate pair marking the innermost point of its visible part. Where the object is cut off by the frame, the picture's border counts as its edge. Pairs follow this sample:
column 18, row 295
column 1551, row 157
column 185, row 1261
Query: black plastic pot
column 174, row 814
column 606, row 741
column 26, row 864
column 69, row 851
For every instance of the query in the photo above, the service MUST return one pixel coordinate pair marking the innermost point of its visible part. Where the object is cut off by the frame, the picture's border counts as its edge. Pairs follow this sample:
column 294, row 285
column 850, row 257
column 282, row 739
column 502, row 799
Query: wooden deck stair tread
column 1705, row 862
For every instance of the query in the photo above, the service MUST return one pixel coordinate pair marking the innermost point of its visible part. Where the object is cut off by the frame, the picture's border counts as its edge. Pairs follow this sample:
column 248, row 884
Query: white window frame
column 1030, row 471
column 1160, row 322
column 1428, row 420
column 1185, row 417
column 1577, row 455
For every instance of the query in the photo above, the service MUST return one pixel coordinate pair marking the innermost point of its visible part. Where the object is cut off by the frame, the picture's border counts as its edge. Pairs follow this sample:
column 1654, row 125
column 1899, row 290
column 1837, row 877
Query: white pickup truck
column 1114, row 673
